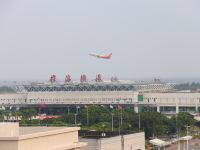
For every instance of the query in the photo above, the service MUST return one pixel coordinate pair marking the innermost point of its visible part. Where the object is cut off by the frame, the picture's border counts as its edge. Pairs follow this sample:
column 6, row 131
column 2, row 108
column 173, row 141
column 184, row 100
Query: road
column 194, row 144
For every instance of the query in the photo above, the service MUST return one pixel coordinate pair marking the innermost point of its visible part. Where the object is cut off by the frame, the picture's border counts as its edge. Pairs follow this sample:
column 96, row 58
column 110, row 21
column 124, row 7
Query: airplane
column 108, row 56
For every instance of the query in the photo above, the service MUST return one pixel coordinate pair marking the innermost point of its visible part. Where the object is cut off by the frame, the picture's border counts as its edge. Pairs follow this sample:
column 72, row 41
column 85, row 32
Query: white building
column 172, row 102
column 169, row 103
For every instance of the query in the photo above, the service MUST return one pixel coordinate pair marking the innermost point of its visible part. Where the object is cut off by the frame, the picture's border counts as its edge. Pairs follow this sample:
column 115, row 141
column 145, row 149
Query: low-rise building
column 134, row 141
column 13, row 137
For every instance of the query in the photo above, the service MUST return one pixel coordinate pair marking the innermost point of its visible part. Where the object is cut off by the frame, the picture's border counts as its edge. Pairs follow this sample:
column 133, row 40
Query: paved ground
column 193, row 145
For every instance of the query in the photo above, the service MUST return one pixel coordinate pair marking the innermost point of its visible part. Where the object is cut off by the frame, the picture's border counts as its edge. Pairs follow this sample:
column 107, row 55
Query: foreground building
column 13, row 137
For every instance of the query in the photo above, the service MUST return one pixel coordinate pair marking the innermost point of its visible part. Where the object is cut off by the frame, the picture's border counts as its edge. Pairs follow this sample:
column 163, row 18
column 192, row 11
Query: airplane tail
column 110, row 55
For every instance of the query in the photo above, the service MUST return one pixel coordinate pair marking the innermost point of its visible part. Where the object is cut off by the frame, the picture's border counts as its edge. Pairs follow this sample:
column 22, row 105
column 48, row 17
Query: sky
column 148, row 38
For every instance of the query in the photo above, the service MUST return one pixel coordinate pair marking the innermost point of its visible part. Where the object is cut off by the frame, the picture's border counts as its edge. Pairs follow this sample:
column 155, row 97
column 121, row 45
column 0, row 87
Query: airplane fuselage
column 102, row 56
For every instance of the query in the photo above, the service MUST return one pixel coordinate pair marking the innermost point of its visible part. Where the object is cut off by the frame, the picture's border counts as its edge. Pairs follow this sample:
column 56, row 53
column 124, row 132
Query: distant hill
column 6, row 89
column 188, row 86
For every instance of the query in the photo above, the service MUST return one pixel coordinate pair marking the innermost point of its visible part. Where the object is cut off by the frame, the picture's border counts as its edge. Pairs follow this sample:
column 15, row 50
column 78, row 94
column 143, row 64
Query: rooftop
column 13, row 137
column 12, row 131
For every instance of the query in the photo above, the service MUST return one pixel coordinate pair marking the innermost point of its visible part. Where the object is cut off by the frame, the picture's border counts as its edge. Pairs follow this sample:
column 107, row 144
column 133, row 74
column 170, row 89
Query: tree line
column 101, row 118
column 188, row 86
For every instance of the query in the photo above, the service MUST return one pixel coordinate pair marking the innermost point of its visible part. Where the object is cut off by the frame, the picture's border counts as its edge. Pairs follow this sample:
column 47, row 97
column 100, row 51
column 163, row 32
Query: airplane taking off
column 108, row 56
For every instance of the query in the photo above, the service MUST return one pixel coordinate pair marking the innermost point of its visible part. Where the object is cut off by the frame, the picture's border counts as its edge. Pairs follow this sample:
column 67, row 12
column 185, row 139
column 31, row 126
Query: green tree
column 95, row 115
column 102, row 126
column 181, row 120
column 69, row 118
column 154, row 124
column 1, row 116
column 27, row 114
column 18, row 115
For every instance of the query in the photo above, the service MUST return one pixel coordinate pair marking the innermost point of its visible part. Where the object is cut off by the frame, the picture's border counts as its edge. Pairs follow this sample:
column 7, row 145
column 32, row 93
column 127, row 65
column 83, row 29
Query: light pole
column 119, row 126
column 39, row 112
column 177, row 132
column 121, row 118
column 112, row 121
column 64, row 114
column 187, row 127
column 68, row 110
column 139, row 121
column 129, row 127
column 77, row 109
column 75, row 119
column 87, row 116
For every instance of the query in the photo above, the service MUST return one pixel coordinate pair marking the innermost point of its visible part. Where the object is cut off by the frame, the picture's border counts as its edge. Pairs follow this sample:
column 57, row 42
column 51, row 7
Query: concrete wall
column 113, row 143
column 8, row 145
column 127, row 142
column 134, row 141
column 92, row 144
column 49, row 142
column 9, row 129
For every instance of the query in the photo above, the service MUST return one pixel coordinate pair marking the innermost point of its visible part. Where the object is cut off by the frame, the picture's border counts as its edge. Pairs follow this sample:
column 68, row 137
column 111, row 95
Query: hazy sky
column 148, row 38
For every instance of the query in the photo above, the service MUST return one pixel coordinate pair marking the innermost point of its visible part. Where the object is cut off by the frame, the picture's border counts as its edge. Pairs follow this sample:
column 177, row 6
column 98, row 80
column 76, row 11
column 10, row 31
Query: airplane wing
column 95, row 55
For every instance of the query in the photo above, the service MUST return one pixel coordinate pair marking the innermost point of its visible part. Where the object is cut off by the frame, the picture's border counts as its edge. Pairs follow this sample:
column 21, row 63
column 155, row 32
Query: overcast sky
column 148, row 38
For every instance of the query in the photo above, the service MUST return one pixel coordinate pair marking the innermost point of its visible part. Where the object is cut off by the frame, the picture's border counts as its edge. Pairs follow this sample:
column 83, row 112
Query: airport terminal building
column 156, row 96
